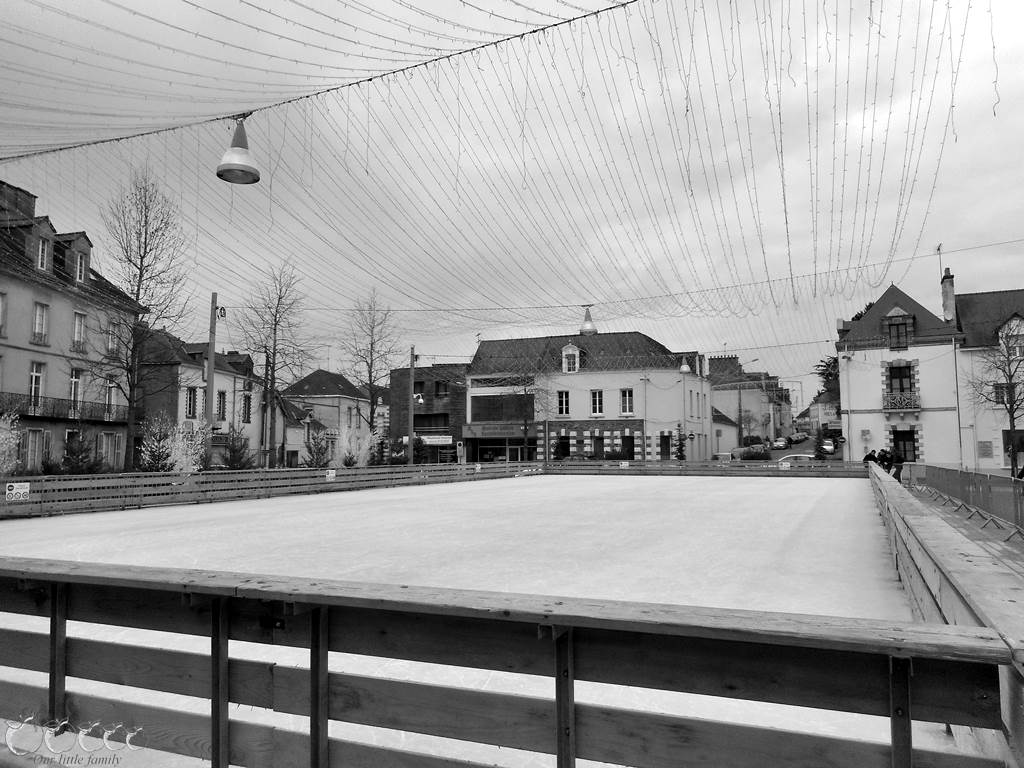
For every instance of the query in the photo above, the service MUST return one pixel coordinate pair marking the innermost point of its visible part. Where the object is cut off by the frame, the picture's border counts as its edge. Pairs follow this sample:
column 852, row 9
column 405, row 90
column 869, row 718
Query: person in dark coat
column 884, row 460
column 897, row 466
column 870, row 457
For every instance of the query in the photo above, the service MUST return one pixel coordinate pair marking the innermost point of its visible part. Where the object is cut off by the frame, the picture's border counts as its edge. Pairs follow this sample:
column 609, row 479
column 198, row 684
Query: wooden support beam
column 56, row 704
column 319, row 688
column 565, row 704
column 219, row 632
column 900, row 671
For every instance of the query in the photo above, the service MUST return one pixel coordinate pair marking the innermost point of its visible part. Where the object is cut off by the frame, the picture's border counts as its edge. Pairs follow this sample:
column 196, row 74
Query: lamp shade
column 236, row 166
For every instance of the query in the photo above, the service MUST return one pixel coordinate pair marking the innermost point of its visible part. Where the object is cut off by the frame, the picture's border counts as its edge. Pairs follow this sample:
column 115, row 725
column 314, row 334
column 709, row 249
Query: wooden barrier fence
column 61, row 494
column 940, row 674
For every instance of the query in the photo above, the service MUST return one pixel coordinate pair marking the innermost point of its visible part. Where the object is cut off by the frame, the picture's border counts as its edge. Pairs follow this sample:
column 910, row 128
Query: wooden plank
column 565, row 699
column 944, row 691
column 219, row 684
column 500, row 719
column 319, row 688
column 627, row 737
column 900, row 713
column 58, row 655
column 876, row 636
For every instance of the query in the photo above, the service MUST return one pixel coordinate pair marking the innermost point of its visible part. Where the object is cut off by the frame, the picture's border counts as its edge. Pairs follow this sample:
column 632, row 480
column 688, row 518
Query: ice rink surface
column 805, row 545
column 799, row 545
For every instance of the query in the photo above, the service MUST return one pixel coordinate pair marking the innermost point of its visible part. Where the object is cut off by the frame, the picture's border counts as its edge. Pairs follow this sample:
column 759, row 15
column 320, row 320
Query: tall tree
column 272, row 325
column 371, row 349
column 998, row 380
column 145, row 258
column 828, row 371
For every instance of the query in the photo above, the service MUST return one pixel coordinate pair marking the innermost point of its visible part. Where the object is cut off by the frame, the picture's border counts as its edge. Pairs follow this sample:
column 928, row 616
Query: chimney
column 948, row 297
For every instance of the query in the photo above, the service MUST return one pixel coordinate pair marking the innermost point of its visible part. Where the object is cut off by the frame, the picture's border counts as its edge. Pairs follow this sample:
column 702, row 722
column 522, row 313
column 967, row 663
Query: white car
column 828, row 445
column 797, row 458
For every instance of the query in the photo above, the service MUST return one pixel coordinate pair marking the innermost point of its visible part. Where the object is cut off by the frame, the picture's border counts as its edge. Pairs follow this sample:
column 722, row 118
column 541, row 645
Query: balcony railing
column 39, row 337
column 60, row 408
column 901, row 401
column 78, row 345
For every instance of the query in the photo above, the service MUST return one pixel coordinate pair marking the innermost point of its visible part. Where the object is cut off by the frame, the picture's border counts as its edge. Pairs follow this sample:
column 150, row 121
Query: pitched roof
column 162, row 346
column 868, row 329
column 720, row 418
column 981, row 315
column 295, row 414
column 598, row 352
column 321, row 383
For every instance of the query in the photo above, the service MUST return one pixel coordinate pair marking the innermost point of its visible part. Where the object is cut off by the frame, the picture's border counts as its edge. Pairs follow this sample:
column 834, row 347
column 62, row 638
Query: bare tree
column 371, row 349
column 145, row 259
column 272, row 327
column 999, row 380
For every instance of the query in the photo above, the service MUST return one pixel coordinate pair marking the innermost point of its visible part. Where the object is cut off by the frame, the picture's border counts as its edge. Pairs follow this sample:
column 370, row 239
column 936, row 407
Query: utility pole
column 412, row 400
column 211, row 388
column 739, row 414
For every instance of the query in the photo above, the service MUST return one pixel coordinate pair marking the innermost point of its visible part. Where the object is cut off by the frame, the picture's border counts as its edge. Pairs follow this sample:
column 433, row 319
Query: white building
column 587, row 395
column 909, row 378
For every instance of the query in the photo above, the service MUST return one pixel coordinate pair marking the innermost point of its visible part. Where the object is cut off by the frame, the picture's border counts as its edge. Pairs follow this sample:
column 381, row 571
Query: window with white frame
column 78, row 333
column 108, row 445
column 108, row 396
column 563, row 402
column 191, row 401
column 37, row 448
column 1003, row 392
column 45, row 249
column 350, row 417
column 222, row 405
column 246, row 408
column 35, row 382
column 570, row 358
column 75, row 388
column 40, row 323
column 112, row 342
column 81, row 268
column 596, row 402
column 626, row 400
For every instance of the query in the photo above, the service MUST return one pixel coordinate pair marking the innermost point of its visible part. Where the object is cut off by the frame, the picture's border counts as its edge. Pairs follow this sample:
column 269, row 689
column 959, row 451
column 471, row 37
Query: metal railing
column 998, row 496
column 60, row 408
column 901, row 401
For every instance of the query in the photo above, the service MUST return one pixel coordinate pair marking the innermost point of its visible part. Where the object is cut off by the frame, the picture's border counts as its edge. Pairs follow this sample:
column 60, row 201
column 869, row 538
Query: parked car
column 797, row 458
column 781, row 443
column 756, row 452
column 828, row 445
column 798, row 437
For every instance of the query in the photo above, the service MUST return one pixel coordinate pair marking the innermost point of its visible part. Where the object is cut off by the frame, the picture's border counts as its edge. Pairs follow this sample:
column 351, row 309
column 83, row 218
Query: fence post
column 565, row 704
column 219, row 632
column 58, row 650
column 899, row 712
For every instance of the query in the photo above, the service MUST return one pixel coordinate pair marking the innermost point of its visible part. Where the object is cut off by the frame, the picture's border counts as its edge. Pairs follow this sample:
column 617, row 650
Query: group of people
column 891, row 463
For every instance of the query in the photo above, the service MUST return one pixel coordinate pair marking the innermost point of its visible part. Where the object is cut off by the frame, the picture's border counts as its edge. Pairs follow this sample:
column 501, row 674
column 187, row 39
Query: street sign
column 17, row 492
column 330, row 474
column 841, row 439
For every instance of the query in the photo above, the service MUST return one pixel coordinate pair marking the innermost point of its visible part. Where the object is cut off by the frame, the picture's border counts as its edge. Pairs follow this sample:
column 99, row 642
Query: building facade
column 756, row 402
column 57, row 317
column 586, row 395
column 176, row 386
column 917, row 382
column 336, row 403
column 439, row 409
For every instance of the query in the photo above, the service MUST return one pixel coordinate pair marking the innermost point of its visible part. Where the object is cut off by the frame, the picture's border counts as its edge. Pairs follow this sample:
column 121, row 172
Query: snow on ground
column 801, row 545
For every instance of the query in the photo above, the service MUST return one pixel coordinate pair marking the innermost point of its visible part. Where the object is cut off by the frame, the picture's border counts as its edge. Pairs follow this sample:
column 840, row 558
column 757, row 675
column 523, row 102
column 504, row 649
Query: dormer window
column 570, row 358
column 81, row 268
column 897, row 328
column 45, row 254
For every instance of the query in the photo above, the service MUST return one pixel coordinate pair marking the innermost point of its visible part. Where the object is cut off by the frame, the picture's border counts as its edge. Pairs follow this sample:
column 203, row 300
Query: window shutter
column 46, row 444
column 118, row 442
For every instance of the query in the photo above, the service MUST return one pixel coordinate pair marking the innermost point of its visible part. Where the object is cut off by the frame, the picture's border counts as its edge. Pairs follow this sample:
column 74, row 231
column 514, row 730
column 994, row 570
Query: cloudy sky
column 724, row 176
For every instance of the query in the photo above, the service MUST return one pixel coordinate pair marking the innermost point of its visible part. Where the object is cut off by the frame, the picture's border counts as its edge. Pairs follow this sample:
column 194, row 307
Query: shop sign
column 498, row 429
column 436, row 439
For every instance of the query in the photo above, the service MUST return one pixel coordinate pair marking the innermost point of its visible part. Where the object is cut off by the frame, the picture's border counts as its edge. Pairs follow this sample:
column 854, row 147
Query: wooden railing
column 901, row 671
column 61, row 494
column 761, row 468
